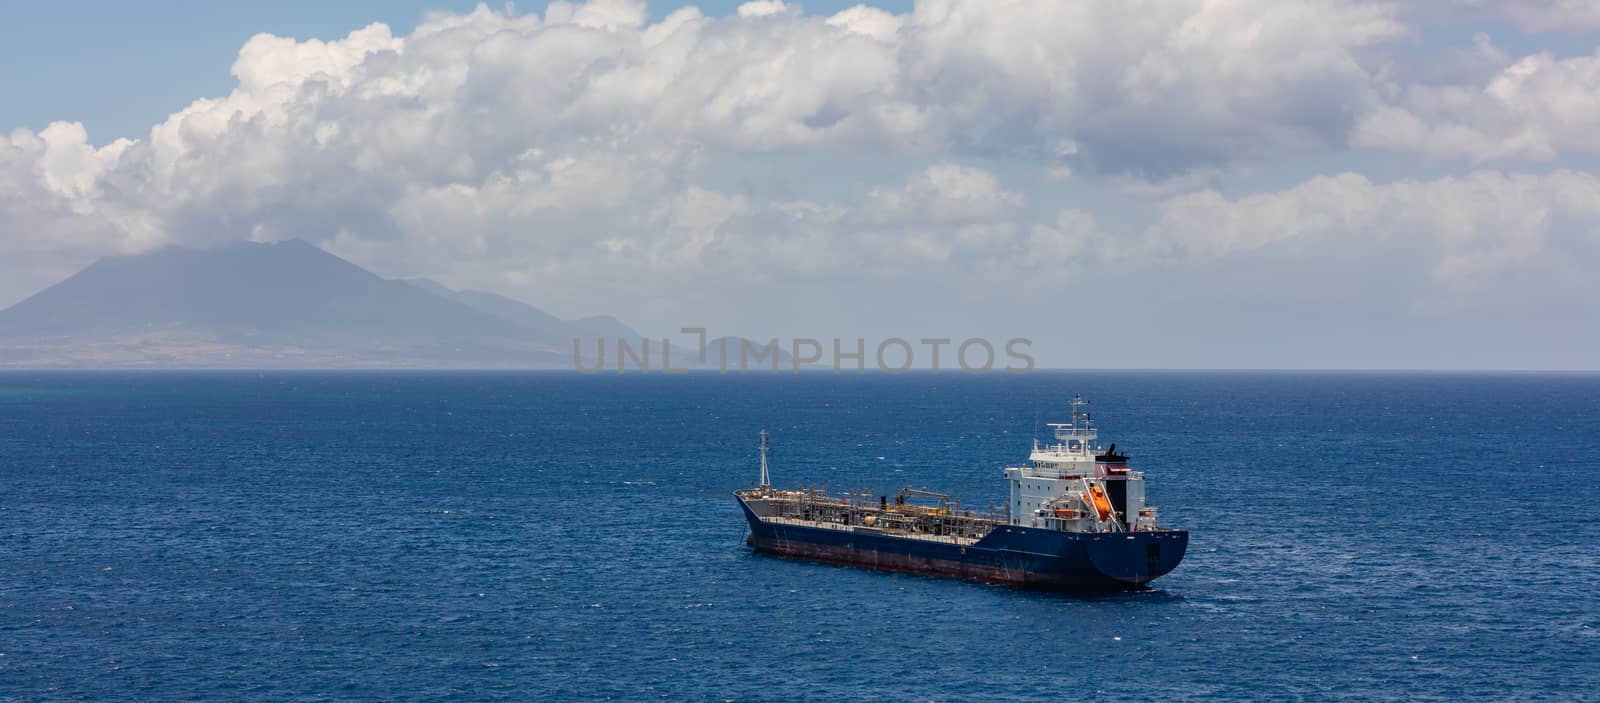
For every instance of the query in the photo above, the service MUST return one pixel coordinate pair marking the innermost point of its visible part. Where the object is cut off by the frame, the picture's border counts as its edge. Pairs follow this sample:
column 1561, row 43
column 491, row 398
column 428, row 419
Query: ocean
column 310, row 536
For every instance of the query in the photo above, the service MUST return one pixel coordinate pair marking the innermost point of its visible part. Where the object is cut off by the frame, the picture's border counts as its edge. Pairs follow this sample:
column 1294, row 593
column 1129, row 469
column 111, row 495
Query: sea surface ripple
column 544, row 536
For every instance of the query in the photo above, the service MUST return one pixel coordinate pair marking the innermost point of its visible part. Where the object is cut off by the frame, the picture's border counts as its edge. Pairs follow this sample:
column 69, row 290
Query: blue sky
column 1256, row 183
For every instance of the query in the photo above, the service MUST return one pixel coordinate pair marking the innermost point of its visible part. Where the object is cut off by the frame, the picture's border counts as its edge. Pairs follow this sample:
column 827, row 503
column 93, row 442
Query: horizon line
column 768, row 372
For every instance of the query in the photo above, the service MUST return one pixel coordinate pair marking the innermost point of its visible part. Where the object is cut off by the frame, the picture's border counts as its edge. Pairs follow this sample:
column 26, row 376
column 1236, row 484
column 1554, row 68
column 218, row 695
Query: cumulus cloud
column 476, row 131
column 567, row 152
column 1154, row 90
column 1535, row 108
column 54, row 195
column 948, row 193
column 693, row 222
column 762, row 8
column 1528, row 15
column 1469, row 227
column 946, row 214
column 945, row 211
column 1065, row 240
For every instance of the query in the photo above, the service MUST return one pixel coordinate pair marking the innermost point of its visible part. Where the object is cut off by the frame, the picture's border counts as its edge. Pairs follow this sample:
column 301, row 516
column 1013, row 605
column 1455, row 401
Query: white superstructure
column 1074, row 485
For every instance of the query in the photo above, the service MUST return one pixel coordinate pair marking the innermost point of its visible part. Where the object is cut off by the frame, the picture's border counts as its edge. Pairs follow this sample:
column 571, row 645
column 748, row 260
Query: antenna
column 766, row 481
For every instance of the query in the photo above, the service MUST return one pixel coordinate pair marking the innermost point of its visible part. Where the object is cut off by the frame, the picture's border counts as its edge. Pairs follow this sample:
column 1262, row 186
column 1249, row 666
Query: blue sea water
column 547, row 536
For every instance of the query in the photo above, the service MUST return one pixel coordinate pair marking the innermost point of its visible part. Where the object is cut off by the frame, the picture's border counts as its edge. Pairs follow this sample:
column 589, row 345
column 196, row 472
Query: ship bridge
column 1072, row 484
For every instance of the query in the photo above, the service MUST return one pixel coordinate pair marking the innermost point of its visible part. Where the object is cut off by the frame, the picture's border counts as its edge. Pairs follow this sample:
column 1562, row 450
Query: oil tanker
column 1076, row 519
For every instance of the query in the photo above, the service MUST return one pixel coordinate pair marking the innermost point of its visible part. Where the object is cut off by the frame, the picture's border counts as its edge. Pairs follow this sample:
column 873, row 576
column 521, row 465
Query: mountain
column 283, row 304
column 539, row 323
column 592, row 330
column 602, row 327
column 292, row 305
column 757, row 358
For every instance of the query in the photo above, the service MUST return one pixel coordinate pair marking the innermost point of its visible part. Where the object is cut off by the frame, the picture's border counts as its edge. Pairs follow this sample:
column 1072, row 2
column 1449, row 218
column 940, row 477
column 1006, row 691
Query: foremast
column 766, row 480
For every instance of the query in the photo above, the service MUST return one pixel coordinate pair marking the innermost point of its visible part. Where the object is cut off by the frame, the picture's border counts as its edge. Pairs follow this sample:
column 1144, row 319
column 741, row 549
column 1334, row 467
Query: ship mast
column 1077, row 437
column 766, row 481
column 1082, row 423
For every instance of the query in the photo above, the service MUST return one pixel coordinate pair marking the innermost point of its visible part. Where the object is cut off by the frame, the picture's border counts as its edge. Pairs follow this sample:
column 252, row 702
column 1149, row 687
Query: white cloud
column 1061, row 243
column 946, row 193
column 762, row 8
column 55, row 198
column 598, row 14
column 1152, row 89
column 953, row 74
column 1528, row 15
column 1469, row 227
column 871, row 21
column 589, row 149
column 1536, row 108
column 693, row 223
column 409, row 141
column 266, row 61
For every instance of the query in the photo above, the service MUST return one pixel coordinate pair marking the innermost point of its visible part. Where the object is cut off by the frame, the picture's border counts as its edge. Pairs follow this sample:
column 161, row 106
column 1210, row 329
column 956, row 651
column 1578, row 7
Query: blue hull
column 1023, row 556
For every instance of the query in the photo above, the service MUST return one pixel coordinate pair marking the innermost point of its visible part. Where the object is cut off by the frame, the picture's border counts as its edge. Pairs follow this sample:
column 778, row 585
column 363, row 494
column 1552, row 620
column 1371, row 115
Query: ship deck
column 863, row 529
column 945, row 525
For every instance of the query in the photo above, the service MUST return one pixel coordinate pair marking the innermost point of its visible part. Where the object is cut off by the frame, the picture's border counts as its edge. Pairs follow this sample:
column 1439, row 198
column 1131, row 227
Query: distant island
column 285, row 305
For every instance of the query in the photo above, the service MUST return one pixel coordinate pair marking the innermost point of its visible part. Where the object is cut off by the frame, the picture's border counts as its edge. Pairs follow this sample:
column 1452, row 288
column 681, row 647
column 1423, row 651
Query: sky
column 1177, row 184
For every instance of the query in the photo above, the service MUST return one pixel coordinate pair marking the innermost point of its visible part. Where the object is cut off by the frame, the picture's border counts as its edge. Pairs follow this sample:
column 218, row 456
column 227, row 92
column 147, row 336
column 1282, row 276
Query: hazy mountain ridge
column 292, row 305
column 541, row 324
column 247, row 305
column 746, row 354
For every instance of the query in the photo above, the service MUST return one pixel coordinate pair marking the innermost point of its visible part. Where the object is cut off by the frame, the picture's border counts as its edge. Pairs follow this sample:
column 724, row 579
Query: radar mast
column 1079, row 435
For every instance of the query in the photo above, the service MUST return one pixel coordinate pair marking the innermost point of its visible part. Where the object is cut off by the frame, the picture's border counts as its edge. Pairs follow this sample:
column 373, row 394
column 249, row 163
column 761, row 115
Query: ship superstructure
column 1076, row 518
column 1075, row 486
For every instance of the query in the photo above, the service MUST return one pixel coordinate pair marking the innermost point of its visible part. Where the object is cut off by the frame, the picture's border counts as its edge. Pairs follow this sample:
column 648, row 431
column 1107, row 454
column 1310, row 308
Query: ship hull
column 1022, row 556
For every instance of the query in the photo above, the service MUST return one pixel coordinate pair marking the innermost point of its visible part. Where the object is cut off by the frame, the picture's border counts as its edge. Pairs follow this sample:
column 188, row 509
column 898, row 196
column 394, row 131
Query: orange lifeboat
column 1102, row 504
